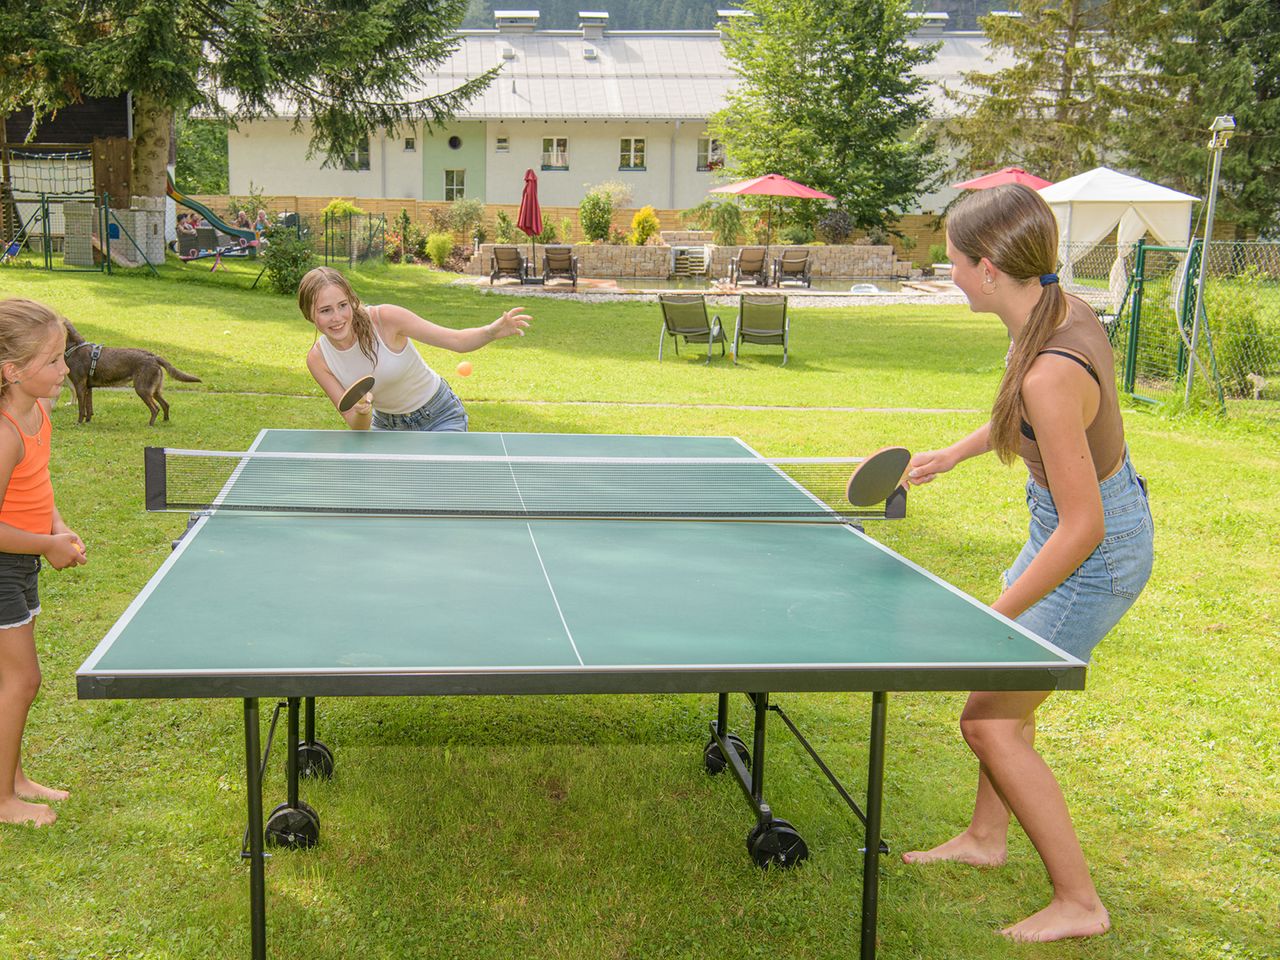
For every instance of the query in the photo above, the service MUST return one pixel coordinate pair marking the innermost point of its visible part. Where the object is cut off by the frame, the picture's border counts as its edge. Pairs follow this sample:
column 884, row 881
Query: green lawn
column 586, row 827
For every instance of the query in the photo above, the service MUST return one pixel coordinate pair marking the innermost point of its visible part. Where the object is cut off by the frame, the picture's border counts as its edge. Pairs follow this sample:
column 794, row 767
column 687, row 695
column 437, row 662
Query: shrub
column 877, row 235
column 938, row 253
column 835, row 226
column 722, row 217
column 1242, row 343
column 286, row 259
column 465, row 216
column 440, row 248
column 548, row 234
column 505, row 228
column 339, row 207
column 566, row 230
column 595, row 214
column 644, row 226
column 797, row 234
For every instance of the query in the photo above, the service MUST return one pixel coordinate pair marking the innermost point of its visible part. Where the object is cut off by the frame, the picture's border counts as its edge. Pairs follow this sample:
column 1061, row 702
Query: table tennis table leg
column 871, row 852
column 257, row 857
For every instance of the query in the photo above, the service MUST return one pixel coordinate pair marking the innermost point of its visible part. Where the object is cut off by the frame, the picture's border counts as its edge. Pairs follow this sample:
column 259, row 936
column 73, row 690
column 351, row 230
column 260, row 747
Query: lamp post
column 1221, row 129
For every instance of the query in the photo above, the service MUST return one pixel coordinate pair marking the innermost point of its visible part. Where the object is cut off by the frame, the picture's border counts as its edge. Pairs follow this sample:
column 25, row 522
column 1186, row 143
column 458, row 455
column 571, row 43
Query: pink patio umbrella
column 529, row 219
column 1001, row 177
column 772, row 185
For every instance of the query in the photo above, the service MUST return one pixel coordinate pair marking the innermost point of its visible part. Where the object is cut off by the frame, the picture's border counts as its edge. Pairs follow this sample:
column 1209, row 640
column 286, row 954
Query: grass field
column 585, row 827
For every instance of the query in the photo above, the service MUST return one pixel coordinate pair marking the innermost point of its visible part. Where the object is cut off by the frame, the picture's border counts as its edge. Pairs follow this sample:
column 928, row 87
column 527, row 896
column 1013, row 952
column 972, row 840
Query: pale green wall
column 438, row 156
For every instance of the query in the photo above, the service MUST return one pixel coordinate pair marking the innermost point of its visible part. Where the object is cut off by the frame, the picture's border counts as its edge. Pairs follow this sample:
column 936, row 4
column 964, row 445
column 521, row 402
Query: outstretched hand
column 927, row 465
column 511, row 324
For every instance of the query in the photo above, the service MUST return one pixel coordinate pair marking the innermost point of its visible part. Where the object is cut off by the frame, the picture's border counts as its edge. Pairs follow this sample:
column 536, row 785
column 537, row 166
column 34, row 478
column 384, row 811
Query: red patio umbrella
column 772, row 185
column 529, row 219
column 1001, row 177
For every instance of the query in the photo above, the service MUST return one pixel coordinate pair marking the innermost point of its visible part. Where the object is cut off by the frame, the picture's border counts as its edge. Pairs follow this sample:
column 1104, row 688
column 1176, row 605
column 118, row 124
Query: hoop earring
column 993, row 287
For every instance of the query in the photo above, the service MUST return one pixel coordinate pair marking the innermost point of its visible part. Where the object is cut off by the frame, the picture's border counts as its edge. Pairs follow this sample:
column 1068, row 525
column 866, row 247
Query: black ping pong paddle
column 355, row 393
column 878, row 476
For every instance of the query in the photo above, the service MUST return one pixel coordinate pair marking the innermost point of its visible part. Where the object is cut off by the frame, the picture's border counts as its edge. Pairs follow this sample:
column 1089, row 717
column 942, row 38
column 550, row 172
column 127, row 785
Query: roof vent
column 590, row 53
column 593, row 24
column 507, row 52
column 516, row 21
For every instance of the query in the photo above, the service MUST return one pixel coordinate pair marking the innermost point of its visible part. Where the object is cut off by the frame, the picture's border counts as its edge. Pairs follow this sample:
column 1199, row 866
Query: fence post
column 1135, row 319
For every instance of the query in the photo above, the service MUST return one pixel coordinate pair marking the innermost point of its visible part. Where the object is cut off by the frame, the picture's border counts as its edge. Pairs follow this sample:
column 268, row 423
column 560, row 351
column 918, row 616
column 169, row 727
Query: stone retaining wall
column 616, row 260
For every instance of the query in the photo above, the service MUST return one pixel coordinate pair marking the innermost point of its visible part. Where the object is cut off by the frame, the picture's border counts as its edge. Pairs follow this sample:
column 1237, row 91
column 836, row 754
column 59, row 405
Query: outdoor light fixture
column 1222, row 129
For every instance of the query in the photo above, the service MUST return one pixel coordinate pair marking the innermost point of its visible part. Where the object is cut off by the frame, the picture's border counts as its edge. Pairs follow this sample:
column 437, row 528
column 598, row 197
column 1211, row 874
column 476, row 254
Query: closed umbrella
column 529, row 218
column 772, row 185
column 1001, row 177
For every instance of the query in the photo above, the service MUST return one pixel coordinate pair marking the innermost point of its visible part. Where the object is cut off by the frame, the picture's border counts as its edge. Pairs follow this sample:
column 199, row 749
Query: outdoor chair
column 685, row 315
column 507, row 262
column 206, row 239
column 559, row 262
column 749, row 264
column 761, row 319
column 188, row 244
column 792, row 267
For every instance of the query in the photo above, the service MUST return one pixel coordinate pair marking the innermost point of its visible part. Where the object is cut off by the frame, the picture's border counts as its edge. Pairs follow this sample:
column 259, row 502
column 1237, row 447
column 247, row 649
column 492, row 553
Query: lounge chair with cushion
column 761, row 319
column 749, row 264
column 507, row 262
column 792, row 267
column 685, row 315
column 559, row 262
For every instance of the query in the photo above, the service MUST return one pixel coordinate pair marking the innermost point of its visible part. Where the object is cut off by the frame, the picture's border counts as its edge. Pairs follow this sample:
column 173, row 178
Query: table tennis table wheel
column 714, row 759
column 776, row 844
column 293, row 827
column 315, row 760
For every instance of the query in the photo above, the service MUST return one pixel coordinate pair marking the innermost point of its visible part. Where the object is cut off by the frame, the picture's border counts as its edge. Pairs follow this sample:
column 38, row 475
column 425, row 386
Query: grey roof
column 632, row 75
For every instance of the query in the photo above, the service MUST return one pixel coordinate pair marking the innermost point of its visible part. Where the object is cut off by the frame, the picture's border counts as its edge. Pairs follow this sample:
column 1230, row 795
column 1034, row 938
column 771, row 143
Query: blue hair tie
column 1048, row 278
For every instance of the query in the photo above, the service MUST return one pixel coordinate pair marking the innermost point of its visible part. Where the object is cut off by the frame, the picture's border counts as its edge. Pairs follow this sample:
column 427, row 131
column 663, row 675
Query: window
column 455, row 143
column 555, row 153
column 455, row 184
column 632, row 154
column 410, row 145
column 502, row 145
column 357, row 159
column 710, row 154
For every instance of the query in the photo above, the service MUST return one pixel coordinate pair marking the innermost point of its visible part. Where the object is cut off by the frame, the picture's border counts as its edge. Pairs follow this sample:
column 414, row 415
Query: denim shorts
column 442, row 412
column 19, row 593
column 1083, row 608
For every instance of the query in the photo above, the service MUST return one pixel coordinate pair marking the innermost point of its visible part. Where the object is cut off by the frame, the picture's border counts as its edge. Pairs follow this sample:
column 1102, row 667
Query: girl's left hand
column 510, row 324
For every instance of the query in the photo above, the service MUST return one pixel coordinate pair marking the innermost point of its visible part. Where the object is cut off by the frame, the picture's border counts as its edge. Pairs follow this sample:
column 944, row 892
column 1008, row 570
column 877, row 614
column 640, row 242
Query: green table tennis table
column 299, row 605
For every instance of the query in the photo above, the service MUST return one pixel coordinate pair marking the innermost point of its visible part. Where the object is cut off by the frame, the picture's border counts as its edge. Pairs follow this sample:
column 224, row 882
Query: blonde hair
column 25, row 325
column 309, row 289
column 1014, row 228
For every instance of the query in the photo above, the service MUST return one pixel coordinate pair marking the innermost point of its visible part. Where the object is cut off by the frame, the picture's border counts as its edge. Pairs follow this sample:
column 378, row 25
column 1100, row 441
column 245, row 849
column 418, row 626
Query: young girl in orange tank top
column 32, row 341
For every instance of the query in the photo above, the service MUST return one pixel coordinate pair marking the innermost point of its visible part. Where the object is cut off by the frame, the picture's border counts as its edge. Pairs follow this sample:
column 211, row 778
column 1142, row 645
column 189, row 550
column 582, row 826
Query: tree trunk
column 152, row 130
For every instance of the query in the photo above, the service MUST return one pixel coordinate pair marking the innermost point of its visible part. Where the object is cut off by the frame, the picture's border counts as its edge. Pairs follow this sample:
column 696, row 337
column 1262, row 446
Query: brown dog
column 92, row 365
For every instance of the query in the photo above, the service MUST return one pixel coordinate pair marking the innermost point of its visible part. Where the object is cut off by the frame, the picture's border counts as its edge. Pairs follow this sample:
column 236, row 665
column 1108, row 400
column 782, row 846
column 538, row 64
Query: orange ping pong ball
column 464, row 368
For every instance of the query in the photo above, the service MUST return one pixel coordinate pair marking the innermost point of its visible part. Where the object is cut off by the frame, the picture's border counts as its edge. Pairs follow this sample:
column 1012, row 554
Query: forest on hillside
column 685, row 14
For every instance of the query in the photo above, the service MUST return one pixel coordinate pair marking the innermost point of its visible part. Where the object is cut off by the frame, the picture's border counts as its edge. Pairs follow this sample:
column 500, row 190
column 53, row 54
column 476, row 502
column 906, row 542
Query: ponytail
column 1006, row 413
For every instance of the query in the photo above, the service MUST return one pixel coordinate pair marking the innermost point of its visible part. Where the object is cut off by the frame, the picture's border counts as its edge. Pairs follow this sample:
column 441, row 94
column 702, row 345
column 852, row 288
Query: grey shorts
column 19, row 589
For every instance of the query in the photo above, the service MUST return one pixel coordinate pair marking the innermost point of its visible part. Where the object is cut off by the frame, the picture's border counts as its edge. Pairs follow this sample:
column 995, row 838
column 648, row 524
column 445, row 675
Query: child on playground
column 354, row 341
column 32, row 340
column 1089, row 553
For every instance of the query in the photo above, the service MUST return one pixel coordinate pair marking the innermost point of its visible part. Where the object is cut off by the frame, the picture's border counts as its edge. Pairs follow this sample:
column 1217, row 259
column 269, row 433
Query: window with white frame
column 410, row 144
column 502, row 145
column 710, row 154
column 631, row 156
column 357, row 159
column 555, row 153
column 455, row 184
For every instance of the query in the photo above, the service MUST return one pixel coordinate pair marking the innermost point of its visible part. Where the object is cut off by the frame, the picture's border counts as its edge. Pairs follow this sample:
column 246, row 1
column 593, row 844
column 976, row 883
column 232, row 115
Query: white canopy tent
column 1090, row 204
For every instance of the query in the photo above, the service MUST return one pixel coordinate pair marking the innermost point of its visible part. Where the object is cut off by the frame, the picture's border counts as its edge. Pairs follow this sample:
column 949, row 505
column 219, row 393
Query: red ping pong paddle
column 878, row 476
column 355, row 393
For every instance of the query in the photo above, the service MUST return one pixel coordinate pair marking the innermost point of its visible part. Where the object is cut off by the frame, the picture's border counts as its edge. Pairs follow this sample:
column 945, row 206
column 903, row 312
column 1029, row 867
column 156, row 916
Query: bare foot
column 961, row 849
column 1060, row 920
column 13, row 810
column 31, row 790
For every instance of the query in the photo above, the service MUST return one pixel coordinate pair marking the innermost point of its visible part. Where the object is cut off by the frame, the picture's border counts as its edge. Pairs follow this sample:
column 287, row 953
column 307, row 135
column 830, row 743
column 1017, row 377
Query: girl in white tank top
column 354, row 342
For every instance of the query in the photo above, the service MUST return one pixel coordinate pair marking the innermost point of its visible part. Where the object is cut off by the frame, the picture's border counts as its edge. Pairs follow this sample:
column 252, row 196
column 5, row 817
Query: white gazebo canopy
column 1090, row 204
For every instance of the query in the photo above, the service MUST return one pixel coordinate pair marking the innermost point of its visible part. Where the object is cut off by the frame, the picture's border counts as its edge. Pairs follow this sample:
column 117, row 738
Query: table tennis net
column 744, row 488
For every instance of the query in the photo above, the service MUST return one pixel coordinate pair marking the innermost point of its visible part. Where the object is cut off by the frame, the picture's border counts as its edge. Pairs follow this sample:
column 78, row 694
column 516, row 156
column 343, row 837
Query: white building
column 577, row 106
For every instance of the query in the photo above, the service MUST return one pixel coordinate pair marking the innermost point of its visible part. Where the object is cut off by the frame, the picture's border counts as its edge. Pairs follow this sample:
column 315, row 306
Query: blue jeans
column 442, row 412
column 1082, row 609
